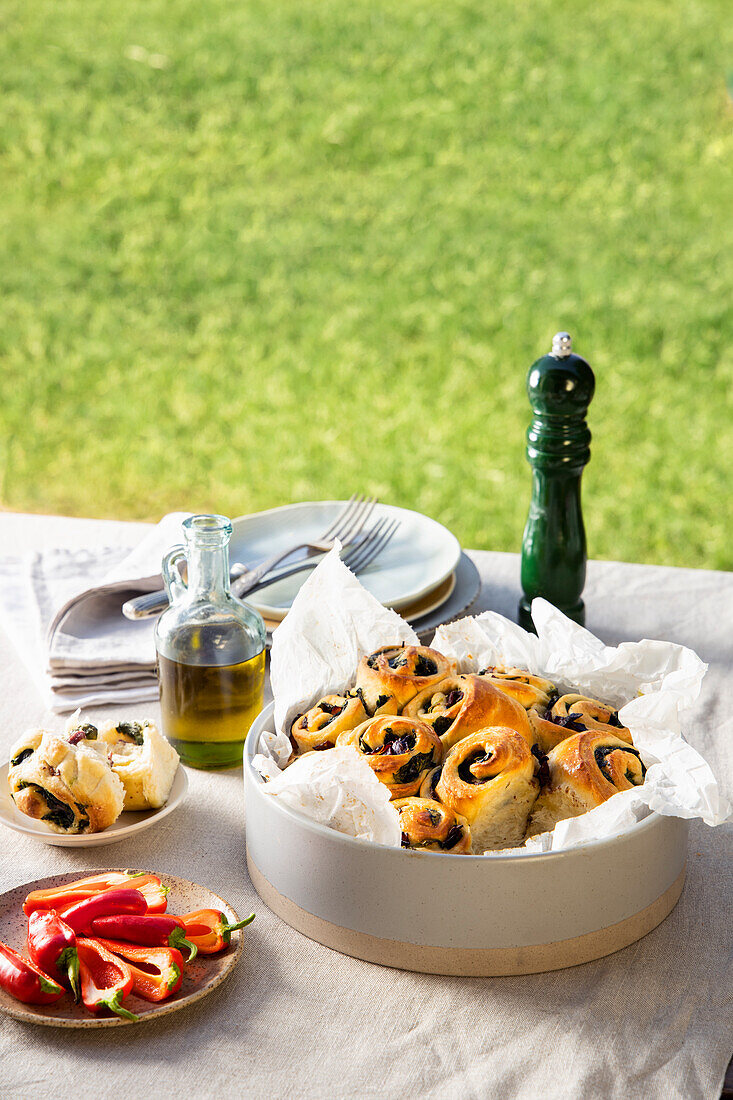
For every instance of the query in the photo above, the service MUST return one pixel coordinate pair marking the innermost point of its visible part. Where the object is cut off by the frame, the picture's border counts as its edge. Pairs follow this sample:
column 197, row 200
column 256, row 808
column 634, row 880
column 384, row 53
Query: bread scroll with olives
column 489, row 778
column 460, row 705
column 319, row 727
column 399, row 750
column 67, row 782
column 520, row 685
column 431, row 827
column 144, row 761
column 584, row 771
column 393, row 675
column 574, row 713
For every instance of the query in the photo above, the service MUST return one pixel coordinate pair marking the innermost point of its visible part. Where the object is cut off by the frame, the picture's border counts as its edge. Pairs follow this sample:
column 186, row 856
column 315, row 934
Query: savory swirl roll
column 399, row 750
column 69, row 784
column 489, row 778
column 319, row 727
column 144, row 761
column 398, row 673
column 461, row 705
column 574, row 713
column 585, row 770
column 428, row 825
column 526, row 689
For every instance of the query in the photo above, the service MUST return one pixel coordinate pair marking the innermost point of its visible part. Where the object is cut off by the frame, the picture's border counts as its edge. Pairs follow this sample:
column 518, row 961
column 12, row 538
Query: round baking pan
column 466, row 915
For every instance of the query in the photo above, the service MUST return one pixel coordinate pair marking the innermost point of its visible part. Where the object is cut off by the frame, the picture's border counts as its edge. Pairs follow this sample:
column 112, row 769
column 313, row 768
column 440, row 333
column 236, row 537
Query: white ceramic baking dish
column 444, row 914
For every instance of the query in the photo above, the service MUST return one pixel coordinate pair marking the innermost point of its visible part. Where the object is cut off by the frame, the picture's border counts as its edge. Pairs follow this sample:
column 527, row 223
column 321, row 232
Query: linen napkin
column 63, row 610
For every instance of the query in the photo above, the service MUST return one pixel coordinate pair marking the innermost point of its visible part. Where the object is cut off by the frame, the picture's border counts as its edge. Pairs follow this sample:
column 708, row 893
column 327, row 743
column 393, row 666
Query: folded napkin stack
column 63, row 610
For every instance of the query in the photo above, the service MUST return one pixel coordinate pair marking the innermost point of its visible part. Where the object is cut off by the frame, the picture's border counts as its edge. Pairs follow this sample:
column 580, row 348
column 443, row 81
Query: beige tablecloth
column 299, row 1020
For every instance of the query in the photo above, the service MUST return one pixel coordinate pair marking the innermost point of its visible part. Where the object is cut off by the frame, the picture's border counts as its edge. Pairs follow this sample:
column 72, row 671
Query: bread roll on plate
column 144, row 761
column 67, row 783
column 585, row 770
column 461, row 705
column 489, row 778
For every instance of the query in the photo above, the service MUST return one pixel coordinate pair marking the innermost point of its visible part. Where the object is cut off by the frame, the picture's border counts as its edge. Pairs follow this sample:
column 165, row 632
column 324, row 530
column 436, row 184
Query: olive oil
column 211, row 651
column 207, row 710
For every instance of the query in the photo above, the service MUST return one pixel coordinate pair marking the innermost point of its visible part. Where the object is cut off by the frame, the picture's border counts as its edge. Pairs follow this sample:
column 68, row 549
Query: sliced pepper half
column 157, row 972
column 105, row 979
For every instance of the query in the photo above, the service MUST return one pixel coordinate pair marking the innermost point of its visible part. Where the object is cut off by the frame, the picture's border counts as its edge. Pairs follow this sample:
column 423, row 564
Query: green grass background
column 260, row 252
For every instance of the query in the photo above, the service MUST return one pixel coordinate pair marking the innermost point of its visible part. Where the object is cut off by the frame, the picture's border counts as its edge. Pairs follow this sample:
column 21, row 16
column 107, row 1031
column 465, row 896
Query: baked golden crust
column 430, row 826
column 585, row 770
column 319, row 727
column 520, row 685
column 461, row 705
column 489, row 778
column 574, row 713
column 398, row 673
column 399, row 750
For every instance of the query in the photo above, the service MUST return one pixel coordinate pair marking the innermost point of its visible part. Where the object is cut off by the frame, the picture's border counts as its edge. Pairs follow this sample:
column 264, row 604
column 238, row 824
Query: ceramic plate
column 200, row 977
column 125, row 825
column 421, row 555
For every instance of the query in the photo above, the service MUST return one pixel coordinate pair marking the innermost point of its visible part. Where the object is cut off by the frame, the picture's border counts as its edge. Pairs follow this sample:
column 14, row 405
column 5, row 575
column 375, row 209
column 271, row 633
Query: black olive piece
column 424, row 666
column 442, row 724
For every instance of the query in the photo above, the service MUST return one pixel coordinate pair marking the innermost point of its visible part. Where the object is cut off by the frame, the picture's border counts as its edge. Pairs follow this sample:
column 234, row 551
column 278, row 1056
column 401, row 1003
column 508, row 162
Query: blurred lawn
column 266, row 252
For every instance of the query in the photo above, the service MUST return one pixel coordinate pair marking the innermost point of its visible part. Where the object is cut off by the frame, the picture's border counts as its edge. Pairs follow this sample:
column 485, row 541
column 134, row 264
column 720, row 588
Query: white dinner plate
column 421, row 555
column 125, row 825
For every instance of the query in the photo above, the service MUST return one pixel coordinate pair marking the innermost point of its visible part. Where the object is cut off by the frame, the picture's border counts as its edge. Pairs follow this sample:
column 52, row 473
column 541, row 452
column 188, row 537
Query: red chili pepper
column 25, row 981
column 81, row 915
column 63, row 897
column 209, row 930
column 150, row 930
column 52, row 947
column 105, row 979
column 164, row 972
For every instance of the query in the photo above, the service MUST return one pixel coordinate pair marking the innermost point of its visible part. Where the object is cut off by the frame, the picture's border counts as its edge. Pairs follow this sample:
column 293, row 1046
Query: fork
column 347, row 527
column 357, row 559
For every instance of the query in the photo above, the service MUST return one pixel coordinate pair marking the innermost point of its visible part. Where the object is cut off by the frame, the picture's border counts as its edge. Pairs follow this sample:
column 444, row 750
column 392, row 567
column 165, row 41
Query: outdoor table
column 297, row 1019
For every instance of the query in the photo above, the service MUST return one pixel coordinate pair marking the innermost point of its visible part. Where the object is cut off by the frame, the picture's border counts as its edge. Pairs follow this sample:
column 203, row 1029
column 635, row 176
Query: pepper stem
column 113, row 1004
column 178, row 940
column 68, row 963
column 240, row 924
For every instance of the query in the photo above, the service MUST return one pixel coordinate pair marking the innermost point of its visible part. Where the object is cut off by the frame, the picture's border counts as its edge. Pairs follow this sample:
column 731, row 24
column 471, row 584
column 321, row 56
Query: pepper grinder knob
column 560, row 387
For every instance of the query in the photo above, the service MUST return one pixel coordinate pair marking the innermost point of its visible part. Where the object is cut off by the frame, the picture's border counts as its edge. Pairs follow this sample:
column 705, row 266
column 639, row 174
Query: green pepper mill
column 560, row 387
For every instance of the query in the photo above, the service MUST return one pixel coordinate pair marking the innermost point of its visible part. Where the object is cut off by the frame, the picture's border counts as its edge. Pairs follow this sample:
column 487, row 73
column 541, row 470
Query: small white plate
column 125, row 825
column 421, row 555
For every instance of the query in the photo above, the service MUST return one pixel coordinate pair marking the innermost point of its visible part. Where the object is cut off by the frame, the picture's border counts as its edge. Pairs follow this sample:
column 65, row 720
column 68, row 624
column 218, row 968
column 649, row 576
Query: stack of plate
column 421, row 573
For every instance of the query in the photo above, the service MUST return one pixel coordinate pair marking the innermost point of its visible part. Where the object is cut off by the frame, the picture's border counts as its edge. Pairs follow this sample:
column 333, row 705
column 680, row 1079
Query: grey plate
column 200, row 977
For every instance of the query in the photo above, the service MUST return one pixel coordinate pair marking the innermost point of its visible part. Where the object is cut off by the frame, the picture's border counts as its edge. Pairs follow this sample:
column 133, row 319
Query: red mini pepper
column 80, row 916
column 209, row 930
column 150, row 930
column 105, row 979
column 164, row 972
column 52, row 947
column 26, row 981
column 63, row 897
